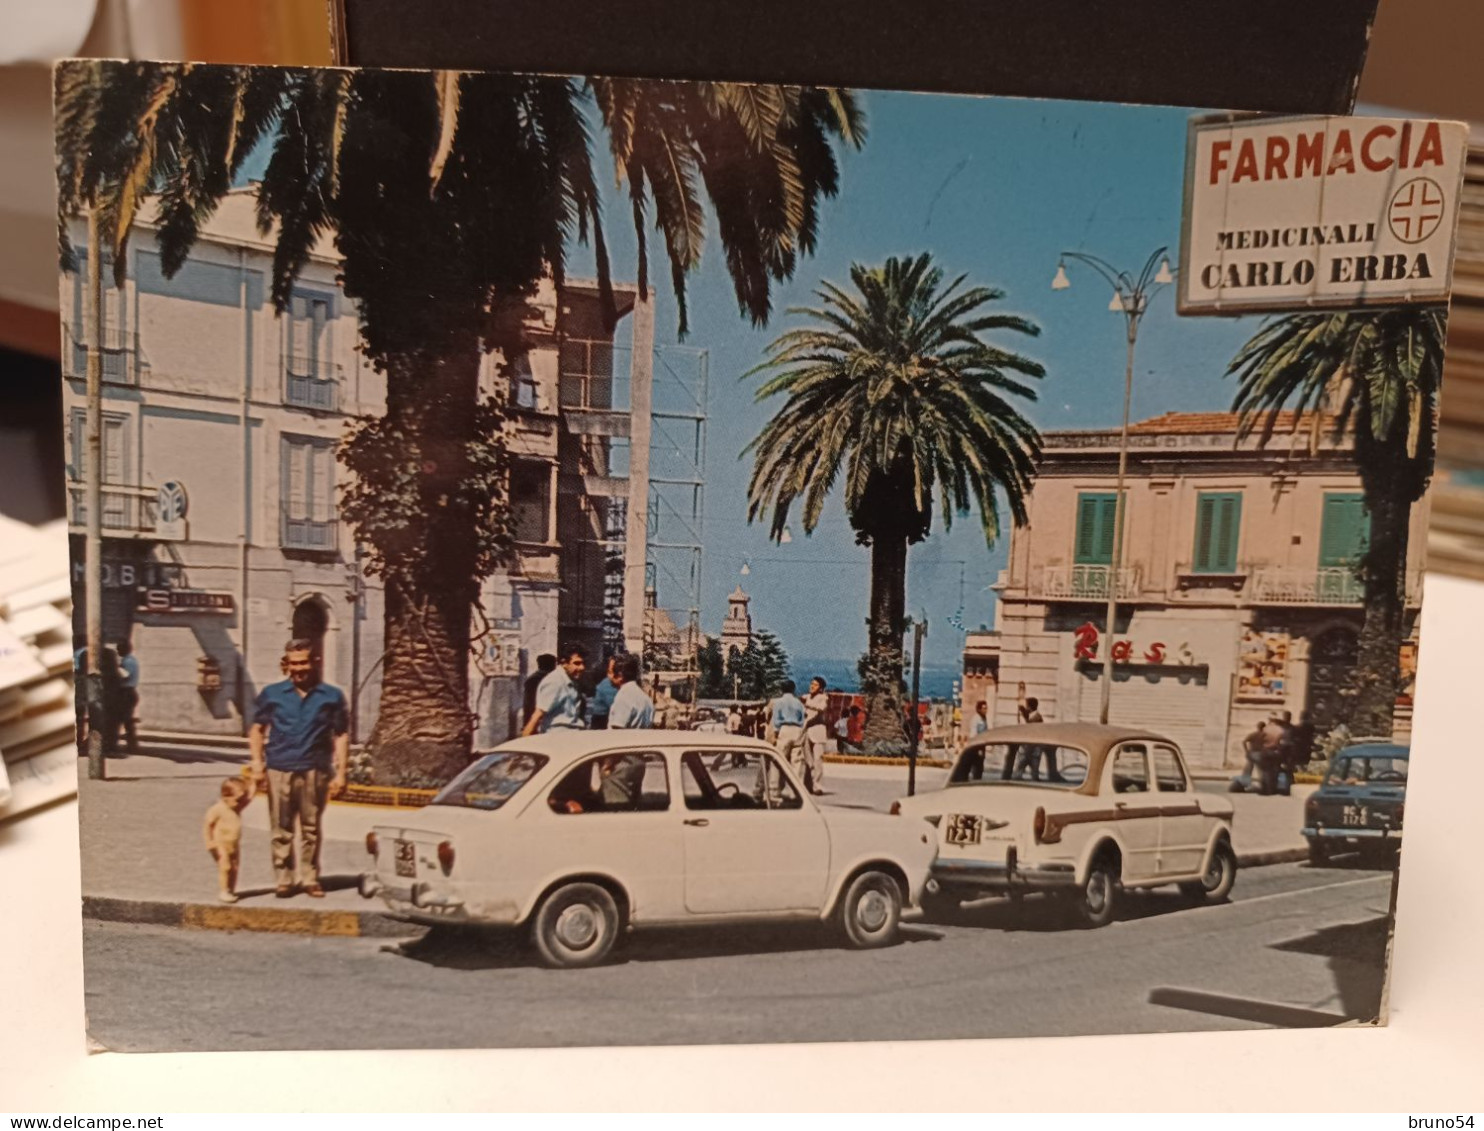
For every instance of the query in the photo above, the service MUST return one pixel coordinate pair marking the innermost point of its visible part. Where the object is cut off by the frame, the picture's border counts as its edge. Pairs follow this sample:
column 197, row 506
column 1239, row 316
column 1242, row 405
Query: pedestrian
column 734, row 720
column 1276, row 746
column 787, row 720
column 842, row 733
column 1031, row 755
column 559, row 703
column 300, row 742
column 222, row 832
column 112, row 705
column 816, row 734
column 980, row 722
column 128, row 695
column 632, row 709
column 545, row 664
column 1303, row 742
column 602, row 701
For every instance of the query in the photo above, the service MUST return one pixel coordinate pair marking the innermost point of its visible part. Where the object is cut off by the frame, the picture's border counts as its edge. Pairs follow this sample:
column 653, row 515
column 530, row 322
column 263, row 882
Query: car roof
column 1375, row 748
column 1095, row 738
column 565, row 743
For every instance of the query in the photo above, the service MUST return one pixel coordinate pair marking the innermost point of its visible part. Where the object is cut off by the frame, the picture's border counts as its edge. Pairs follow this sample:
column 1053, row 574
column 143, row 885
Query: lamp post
column 1131, row 295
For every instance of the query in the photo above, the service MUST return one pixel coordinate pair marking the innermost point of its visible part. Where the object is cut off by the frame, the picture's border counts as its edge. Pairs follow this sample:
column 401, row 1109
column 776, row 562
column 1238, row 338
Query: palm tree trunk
column 424, row 726
column 884, row 732
column 1378, row 668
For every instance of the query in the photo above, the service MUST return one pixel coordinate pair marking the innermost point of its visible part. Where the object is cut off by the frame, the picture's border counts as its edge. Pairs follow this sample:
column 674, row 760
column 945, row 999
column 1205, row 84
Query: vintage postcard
column 572, row 560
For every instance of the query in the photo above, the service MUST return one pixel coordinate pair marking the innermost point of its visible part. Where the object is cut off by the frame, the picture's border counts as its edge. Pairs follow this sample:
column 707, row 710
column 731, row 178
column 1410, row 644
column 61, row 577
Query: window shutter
column 1218, row 524
column 296, row 458
column 1094, row 539
column 1205, row 524
column 113, row 451
column 320, row 483
column 1345, row 529
column 1109, row 510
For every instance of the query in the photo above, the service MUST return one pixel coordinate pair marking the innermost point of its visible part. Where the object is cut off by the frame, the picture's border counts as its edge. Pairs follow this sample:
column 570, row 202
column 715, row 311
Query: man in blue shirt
column 300, row 738
column 128, row 694
column 788, row 727
column 599, row 706
column 559, row 702
column 632, row 709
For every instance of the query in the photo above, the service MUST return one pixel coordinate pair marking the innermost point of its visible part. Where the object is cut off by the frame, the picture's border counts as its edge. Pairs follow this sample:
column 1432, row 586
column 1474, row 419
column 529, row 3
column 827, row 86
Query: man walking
column 601, row 703
column 631, row 709
column 788, row 726
column 980, row 723
column 816, row 734
column 559, row 703
column 128, row 695
column 300, row 740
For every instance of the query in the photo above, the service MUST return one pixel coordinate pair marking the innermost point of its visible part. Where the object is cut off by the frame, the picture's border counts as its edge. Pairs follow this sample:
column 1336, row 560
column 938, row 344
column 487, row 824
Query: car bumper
column 958, row 876
column 426, row 903
column 1325, row 832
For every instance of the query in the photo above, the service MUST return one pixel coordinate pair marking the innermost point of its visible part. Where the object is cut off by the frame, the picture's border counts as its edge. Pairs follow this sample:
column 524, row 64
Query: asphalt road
column 1294, row 946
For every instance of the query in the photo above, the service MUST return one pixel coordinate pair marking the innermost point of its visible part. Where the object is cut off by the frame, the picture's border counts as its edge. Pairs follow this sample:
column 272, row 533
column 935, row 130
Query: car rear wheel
column 1096, row 903
column 870, row 911
column 1220, row 875
column 576, row 925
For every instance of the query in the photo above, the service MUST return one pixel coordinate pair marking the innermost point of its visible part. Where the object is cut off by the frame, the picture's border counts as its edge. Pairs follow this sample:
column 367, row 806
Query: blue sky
column 996, row 188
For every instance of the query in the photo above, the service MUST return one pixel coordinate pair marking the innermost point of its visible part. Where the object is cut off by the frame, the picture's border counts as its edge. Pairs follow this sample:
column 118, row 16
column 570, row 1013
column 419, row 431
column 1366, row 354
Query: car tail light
column 896, row 809
column 1038, row 824
column 445, row 856
column 371, row 843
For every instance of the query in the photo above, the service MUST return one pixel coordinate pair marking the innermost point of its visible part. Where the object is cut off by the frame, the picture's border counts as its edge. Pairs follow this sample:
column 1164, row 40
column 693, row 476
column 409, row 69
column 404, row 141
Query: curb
column 232, row 917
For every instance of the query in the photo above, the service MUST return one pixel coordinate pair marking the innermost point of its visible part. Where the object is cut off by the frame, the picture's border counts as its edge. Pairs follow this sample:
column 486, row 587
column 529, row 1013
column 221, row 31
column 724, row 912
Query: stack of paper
column 37, row 729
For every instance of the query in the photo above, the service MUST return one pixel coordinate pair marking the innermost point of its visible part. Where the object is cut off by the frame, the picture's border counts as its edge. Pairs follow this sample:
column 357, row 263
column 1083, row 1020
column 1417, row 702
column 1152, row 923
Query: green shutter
column 1095, row 516
column 1218, row 523
column 1345, row 529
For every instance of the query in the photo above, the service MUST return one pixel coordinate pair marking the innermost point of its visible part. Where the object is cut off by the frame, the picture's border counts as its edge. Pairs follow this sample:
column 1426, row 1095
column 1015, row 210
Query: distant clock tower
column 736, row 629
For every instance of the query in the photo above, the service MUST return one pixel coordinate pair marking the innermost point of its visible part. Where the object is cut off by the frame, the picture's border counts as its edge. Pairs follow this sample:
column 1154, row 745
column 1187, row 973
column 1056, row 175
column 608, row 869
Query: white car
column 1077, row 810
column 578, row 835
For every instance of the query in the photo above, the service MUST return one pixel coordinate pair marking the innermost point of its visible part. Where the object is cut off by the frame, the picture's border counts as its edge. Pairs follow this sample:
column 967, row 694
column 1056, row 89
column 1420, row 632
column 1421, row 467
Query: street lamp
column 1131, row 296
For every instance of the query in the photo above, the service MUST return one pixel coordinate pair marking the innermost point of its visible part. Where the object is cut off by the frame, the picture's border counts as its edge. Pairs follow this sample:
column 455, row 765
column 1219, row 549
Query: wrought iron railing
column 311, row 382
column 126, row 510
column 118, row 355
column 317, row 535
column 1085, row 582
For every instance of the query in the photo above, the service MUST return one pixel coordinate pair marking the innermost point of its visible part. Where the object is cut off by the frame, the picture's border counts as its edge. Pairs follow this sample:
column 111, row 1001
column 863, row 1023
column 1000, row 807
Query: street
column 1294, row 943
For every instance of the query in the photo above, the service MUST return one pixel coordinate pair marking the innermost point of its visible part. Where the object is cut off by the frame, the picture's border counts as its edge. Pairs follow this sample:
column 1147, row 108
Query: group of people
column 555, row 698
column 1276, row 749
column 118, row 701
column 800, row 731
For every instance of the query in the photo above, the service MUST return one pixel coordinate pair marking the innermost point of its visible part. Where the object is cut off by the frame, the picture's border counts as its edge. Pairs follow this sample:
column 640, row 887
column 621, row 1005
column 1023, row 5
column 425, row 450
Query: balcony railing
column 128, row 512
column 118, row 356
column 313, row 535
column 1086, row 582
column 311, row 382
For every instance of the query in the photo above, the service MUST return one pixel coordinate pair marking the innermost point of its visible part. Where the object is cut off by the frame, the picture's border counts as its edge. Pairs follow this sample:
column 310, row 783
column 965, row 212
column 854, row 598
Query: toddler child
column 222, row 832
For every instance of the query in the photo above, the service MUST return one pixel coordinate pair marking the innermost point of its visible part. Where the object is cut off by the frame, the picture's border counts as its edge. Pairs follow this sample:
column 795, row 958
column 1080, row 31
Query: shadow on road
column 469, row 948
column 1037, row 913
column 1356, row 956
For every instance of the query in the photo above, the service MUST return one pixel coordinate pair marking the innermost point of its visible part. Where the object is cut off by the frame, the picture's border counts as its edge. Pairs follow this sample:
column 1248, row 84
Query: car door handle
column 697, row 822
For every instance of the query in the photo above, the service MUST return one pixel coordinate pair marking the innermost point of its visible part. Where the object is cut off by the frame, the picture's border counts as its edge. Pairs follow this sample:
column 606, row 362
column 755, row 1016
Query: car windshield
column 1362, row 769
column 1056, row 767
column 491, row 781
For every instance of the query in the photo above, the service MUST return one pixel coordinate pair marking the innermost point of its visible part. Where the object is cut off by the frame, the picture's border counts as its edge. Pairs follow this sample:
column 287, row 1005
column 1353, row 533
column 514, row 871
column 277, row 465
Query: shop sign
column 131, row 574
column 171, row 506
column 1125, row 651
column 184, row 601
column 1299, row 213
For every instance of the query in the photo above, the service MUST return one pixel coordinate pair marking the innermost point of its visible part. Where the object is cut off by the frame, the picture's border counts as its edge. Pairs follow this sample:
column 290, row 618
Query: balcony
column 1331, row 585
column 1085, row 583
column 308, row 535
column 311, row 382
column 118, row 351
column 128, row 512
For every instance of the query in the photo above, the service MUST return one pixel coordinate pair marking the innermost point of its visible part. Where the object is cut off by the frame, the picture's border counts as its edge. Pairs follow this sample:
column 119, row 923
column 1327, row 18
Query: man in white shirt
column 816, row 733
column 981, row 719
column 559, row 702
column 632, row 709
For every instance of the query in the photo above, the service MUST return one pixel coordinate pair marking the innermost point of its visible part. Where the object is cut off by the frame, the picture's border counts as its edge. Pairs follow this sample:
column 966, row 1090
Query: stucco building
column 1238, row 593
column 221, row 529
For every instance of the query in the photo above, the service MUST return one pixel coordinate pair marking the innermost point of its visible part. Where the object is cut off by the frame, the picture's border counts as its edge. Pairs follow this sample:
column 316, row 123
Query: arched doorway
column 311, row 621
column 1332, row 660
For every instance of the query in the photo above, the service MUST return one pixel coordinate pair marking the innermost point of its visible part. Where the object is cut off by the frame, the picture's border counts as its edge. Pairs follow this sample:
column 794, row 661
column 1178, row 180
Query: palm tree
column 892, row 388
column 1376, row 375
column 449, row 197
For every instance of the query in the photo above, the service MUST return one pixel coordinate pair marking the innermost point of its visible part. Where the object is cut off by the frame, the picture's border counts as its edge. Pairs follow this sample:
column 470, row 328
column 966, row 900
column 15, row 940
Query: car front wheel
column 576, row 925
column 870, row 911
column 1220, row 875
column 1096, row 903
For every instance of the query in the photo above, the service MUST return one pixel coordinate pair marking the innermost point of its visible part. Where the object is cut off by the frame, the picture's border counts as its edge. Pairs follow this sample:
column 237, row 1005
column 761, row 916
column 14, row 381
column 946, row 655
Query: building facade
column 1238, row 594
column 221, row 420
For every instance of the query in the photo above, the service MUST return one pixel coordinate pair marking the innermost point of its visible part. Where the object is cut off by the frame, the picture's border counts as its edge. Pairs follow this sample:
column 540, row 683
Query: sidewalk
column 143, row 858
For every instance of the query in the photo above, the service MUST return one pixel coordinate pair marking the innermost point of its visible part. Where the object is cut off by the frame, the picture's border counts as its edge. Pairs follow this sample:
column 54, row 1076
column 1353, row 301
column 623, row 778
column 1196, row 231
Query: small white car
column 578, row 835
column 1077, row 810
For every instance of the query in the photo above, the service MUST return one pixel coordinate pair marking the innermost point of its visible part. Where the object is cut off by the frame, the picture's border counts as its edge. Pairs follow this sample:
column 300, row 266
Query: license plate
column 406, row 858
column 1356, row 816
column 963, row 828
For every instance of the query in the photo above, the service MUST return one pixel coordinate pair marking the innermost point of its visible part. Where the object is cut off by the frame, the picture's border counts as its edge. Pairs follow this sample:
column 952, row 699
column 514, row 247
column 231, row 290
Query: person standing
column 816, row 734
column 787, row 719
column 300, row 742
column 632, row 709
column 545, row 664
column 842, row 732
column 980, row 722
column 734, row 720
column 602, row 701
column 559, row 703
column 128, row 694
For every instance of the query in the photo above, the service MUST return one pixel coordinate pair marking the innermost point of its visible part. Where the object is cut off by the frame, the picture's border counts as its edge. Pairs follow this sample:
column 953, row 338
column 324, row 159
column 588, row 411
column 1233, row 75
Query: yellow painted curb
column 278, row 920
